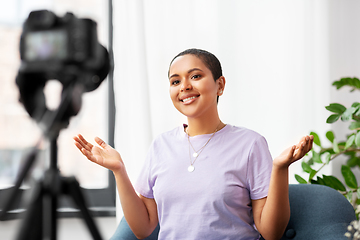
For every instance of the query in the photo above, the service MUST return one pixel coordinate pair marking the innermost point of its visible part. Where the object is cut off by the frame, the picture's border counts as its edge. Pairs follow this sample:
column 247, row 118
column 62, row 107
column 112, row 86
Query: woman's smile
column 189, row 99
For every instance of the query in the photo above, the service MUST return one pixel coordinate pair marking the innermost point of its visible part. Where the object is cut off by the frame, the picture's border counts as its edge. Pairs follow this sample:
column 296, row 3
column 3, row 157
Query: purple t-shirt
column 213, row 201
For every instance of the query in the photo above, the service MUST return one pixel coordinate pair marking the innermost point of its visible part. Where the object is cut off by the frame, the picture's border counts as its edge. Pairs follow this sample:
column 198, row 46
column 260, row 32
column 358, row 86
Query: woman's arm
column 139, row 212
column 272, row 214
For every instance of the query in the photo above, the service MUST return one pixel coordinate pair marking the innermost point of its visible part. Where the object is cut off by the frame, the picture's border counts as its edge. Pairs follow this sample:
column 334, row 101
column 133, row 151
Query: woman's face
column 193, row 90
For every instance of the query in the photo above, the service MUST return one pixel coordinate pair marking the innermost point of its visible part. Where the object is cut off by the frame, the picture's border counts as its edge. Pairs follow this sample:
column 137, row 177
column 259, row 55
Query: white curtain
column 276, row 57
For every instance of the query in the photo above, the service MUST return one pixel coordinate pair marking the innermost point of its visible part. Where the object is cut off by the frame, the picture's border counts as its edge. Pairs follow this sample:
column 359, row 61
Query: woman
column 206, row 179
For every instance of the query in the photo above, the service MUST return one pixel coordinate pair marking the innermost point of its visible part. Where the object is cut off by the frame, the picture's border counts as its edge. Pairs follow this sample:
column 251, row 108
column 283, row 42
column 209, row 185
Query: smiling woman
column 241, row 186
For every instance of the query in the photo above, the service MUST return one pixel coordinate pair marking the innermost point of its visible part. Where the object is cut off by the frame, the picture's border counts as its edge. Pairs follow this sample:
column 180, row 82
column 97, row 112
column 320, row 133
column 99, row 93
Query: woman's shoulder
column 176, row 132
column 242, row 131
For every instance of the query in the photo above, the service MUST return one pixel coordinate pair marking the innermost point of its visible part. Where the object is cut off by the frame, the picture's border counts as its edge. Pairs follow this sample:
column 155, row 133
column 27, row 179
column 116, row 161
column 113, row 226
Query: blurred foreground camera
column 64, row 49
column 61, row 48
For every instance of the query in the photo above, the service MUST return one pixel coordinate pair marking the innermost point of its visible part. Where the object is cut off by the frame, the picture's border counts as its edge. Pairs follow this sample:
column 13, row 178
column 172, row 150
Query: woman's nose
column 185, row 86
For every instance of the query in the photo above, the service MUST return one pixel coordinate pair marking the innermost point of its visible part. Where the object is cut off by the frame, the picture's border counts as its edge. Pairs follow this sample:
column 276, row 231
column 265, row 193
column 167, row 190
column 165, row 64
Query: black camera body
column 56, row 45
column 47, row 38
column 60, row 48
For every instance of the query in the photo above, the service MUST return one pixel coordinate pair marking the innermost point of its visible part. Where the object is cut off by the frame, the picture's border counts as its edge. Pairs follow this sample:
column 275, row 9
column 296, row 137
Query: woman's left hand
column 294, row 153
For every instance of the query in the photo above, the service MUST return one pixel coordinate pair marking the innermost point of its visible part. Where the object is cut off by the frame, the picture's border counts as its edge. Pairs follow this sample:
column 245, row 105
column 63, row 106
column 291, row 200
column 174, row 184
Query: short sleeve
column 259, row 169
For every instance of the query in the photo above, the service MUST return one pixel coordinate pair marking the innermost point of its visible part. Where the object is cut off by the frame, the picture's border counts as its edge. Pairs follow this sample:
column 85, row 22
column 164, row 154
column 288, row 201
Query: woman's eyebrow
column 195, row 69
column 191, row 70
column 174, row 75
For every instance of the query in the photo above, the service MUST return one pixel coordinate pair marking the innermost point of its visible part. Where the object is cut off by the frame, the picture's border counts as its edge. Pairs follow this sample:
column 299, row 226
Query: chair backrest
column 317, row 212
column 123, row 232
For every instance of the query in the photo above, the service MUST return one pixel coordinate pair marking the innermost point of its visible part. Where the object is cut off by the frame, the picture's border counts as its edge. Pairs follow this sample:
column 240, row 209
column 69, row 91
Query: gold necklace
column 196, row 154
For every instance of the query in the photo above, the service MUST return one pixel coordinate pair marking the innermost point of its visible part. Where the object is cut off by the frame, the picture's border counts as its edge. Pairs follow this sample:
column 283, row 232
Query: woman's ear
column 221, row 83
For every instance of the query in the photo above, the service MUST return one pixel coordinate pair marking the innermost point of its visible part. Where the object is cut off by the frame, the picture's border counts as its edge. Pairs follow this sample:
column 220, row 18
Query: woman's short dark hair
column 209, row 59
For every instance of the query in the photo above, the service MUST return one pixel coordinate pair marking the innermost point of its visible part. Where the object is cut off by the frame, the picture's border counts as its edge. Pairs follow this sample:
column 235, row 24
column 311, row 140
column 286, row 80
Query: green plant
column 321, row 156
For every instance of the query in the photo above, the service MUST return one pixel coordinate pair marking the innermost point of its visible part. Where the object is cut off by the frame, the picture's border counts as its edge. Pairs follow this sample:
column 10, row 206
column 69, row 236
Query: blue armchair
column 317, row 212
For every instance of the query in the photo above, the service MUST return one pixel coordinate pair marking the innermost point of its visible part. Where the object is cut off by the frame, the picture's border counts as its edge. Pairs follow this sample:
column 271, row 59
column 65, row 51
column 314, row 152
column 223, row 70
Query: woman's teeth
column 189, row 98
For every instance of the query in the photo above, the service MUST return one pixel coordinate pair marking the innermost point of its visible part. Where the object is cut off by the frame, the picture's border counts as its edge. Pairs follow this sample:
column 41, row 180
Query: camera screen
column 46, row 45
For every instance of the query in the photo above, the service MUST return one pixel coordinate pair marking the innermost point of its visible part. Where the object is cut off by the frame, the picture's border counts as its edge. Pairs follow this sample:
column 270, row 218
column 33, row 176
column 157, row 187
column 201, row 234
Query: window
column 19, row 133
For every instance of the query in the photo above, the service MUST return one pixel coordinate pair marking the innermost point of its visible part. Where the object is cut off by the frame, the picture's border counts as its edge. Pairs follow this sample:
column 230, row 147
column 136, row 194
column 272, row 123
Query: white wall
column 344, row 61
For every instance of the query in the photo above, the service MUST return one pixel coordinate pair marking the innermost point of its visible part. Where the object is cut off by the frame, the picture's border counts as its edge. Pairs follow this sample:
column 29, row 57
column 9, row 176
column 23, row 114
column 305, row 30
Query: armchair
column 317, row 212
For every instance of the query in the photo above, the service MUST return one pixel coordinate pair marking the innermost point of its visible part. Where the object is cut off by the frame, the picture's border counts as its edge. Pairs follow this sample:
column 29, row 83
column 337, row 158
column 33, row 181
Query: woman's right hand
column 104, row 155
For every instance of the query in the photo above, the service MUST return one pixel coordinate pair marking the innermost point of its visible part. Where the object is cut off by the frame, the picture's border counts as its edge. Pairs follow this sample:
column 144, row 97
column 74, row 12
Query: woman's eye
column 175, row 82
column 195, row 76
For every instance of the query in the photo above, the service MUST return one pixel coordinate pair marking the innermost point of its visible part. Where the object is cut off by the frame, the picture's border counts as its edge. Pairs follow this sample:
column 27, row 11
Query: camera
column 56, row 45
column 48, row 39
column 64, row 49
column 59, row 48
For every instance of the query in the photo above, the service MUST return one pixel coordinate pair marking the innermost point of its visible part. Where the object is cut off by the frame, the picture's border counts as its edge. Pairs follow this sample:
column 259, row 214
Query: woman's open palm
column 294, row 153
column 104, row 155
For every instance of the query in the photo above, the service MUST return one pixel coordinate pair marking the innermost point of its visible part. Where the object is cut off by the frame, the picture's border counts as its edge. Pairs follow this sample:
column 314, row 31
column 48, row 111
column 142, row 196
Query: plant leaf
column 358, row 195
column 336, row 146
column 312, row 181
column 350, row 141
column 330, row 136
column 354, row 125
column 357, row 139
column 336, row 108
column 300, row 179
column 327, row 157
column 333, row 182
column 356, row 82
column 353, row 161
column 351, row 82
column 306, row 167
column 318, row 180
column 316, row 156
column 356, row 105
column 312, row 173
column 333, row 118
column 349, row 195
column 347, row 115
column 316, row 138
column 349, row 177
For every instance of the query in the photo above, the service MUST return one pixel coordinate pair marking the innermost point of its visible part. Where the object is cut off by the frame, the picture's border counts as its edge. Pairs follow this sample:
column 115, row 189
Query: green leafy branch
column 354, row 83
column 321, row 156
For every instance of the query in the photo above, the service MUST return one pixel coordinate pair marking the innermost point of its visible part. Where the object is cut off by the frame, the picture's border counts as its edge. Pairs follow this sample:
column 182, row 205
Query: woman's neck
column 200, row 127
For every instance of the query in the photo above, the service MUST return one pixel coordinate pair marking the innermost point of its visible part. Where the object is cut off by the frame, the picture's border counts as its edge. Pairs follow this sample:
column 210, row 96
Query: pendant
column 195, row 154
column 191, row 168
